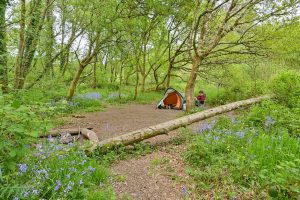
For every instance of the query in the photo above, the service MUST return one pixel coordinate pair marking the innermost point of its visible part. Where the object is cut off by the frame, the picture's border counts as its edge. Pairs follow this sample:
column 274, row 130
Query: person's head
column 201, row 92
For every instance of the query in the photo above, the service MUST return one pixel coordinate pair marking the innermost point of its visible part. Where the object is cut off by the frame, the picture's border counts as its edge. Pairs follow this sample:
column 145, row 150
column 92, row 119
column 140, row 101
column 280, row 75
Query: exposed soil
column 160, row 175
column 122, row 119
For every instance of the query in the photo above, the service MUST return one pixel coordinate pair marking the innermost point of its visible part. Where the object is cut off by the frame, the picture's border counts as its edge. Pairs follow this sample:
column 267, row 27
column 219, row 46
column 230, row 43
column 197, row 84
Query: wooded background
column 146, row 45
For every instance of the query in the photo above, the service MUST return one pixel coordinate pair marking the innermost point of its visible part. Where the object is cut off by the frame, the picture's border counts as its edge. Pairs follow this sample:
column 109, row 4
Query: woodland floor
column 157, row 176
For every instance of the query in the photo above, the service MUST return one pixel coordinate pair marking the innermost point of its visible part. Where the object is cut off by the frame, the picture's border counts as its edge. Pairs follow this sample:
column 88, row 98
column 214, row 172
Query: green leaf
column 16, row 104
column 13, row 153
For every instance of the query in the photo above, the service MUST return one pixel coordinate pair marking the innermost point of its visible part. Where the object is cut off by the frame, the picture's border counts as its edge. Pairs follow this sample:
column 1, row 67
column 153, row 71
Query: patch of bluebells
column 269, row 121
column 70, row 164
column 115, row 95
column 89, row 96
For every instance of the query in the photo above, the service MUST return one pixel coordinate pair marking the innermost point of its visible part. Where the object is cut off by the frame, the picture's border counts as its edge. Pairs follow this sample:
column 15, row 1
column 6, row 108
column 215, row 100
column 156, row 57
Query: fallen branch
column 145, row 133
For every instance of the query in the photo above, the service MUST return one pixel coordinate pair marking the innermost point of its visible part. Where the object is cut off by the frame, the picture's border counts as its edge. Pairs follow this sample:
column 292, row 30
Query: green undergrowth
column 256, row 155
column 253, row 156
column 55, row 171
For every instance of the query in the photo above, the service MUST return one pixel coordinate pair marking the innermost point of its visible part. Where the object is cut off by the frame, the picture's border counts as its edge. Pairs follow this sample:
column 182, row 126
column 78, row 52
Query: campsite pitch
column 118, row 120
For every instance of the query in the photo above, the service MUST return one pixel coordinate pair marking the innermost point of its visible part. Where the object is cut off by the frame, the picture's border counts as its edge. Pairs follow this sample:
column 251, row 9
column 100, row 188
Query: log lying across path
column 145, row 133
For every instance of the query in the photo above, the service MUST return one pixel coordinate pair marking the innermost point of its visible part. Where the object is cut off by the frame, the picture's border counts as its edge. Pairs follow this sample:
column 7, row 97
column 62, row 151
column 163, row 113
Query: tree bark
column 95, row 74
column 190, row 86
column 3, row 49
column 21, row 41
column 145, row 133
column 136, row 82
column 75, row 82
column 31, row 39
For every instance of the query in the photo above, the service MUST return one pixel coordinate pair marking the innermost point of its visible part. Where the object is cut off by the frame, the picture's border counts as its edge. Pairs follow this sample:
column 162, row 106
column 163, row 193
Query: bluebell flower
column 73, row 162
column 35, row 192
column 206, row 127
column 26, row 194
column 241, row 134
column 69, row 188
column 269, row 121
column 58, row 184
column 71, row 144
column 216, row 137
column 91, row 168
column 71, row 183
column 16, row 198
column 101, row 184
column 82, row 163
column 23, row 167
column 68, row 176
column 184, row 191
column 80, row 181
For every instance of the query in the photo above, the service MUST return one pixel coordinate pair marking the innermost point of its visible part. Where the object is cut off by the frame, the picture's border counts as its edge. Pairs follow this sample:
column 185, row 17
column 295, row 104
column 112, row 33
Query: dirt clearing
column 118, row 120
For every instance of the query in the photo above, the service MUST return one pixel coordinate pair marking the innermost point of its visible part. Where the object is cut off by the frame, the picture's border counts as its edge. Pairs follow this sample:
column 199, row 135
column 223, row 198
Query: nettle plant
column 57, row 171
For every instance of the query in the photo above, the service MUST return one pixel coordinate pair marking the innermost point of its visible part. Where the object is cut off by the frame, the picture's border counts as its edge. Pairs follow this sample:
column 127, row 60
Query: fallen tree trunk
column 145, row 133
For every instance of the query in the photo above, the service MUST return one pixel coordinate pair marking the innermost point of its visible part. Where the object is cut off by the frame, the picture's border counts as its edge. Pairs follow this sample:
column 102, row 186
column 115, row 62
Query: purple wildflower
column 71, row 144
column 184, row 191
column 35, row 192
column 58, row 184
column 16, row 198
column 68, row 176
column 269, row 121
column 216, row 138
column 206, row 127
column 23, row 167
column 91, row 168
column 82, row 163
column 241, row 134
column 26, row 194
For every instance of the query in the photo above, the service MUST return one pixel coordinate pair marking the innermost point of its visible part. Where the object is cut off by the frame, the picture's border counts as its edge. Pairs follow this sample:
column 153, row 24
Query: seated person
column 201, row 98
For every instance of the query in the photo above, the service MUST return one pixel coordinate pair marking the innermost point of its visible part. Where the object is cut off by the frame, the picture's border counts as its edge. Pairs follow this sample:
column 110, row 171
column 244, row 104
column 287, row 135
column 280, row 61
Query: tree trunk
column 21, row 41
column 145, row 133
column 136, row 82
column 95, row 74
column 3, row 49
column 169, row 75
column 143, row 82
column 75, row 82
column 50, row 38
column 31, row 39
column 190, row 86
column 121, row 79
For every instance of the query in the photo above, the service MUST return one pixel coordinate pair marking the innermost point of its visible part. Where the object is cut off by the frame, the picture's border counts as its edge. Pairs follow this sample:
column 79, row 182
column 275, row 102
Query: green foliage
column 252, row 156
column 286, row 87
column 56, row 171
column 20, row 124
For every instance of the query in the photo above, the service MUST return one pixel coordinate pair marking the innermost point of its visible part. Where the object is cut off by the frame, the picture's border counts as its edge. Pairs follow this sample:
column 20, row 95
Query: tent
column 172, row 100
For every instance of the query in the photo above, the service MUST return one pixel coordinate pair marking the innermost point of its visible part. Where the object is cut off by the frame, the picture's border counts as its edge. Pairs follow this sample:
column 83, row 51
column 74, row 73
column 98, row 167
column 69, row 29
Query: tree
column 220, row 28
column 29, row 41
column 3, row 49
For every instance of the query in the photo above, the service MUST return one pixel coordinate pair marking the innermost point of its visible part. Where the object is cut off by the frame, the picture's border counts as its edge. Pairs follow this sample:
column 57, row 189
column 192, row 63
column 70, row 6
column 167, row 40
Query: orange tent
column 172, row 99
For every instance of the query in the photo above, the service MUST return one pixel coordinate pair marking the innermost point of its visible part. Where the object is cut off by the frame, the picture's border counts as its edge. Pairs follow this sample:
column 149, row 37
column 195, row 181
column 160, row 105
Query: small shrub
column 286, row 87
